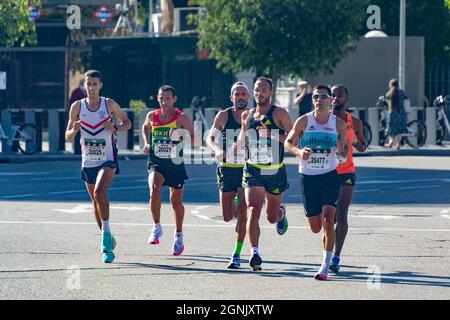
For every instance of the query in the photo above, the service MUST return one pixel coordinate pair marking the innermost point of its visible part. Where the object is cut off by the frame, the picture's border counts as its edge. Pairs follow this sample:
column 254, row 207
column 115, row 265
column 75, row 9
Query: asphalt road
column 397, row 248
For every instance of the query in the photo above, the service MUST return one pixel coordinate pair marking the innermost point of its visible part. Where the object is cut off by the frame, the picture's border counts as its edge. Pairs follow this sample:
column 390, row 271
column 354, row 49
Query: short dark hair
column 393, row 83
column 93, row 74
column 268, row 80
column 340, row 86
column 167, row 88
column 323, row 87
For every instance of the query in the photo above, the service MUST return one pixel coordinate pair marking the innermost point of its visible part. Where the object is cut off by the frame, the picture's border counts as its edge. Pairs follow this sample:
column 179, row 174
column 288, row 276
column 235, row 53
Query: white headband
column 237, row 85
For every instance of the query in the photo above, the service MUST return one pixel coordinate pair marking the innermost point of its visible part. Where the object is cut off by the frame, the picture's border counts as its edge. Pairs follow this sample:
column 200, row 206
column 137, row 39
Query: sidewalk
column 372, row 151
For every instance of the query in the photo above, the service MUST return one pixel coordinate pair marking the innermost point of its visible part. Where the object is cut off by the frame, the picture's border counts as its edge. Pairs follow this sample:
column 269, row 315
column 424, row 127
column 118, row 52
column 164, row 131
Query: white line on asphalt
column 445, row 211
column 202, row 207
column 20, row 196
column 446, row 216
column 419, row 187
column 403, row 181
column 205, row 226
column 368, row 190
column 23, row 173
column 376, row 217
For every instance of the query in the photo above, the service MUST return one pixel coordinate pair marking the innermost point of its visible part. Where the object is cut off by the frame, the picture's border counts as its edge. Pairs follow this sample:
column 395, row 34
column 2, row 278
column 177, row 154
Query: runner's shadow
column 399, row 277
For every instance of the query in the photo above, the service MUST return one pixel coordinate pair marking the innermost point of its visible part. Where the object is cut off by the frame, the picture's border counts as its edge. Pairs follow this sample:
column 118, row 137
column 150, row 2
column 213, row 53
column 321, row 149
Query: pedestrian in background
column 303, row 99
column 397, row 124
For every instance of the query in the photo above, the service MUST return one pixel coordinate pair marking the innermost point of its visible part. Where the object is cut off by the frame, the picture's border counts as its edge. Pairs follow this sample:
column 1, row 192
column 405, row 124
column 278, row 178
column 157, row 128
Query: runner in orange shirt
column 346, row 169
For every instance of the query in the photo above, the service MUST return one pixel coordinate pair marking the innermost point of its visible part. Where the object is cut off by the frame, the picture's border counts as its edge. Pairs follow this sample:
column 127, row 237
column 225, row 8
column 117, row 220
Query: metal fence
column 437, row 80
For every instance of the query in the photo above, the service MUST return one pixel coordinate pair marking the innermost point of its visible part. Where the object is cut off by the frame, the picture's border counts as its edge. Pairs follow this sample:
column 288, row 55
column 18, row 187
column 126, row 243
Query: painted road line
column 419, row 187
column 204, row 226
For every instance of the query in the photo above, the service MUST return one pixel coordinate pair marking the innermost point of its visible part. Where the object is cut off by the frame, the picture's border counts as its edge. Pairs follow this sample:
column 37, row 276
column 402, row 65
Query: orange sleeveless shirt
column 348, row 166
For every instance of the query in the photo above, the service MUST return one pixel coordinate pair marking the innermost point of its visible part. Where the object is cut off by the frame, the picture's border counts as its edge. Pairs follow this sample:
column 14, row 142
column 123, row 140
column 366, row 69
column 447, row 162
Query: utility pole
column 402, row 37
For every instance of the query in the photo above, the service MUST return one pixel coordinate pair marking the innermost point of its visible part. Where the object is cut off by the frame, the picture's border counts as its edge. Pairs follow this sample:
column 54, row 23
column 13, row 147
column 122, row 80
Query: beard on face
column 338, row 106
column 241, row 104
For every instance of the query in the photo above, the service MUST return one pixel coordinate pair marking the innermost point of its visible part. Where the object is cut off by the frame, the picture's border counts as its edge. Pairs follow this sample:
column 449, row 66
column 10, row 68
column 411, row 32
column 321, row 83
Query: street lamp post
column 401, row 67
column 150, row 17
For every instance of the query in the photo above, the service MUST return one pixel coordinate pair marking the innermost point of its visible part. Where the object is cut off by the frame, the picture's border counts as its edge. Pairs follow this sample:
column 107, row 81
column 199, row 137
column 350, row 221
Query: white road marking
column 376, row 217
column 419, row 187
column 20, row 196
column 403, row 181
column 82, row 208
column 445, row 211
column 446, row 216
column 367, row 190
column 203, row 226
column 22, row 173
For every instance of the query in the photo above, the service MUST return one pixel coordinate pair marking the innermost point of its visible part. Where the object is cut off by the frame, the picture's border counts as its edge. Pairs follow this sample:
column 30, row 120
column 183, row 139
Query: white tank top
column 97, row 145
column 321, row 138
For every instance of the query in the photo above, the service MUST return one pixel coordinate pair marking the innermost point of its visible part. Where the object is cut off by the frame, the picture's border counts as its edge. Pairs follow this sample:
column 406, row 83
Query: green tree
column 280, row 37
column 430, row 19
column 15, row 25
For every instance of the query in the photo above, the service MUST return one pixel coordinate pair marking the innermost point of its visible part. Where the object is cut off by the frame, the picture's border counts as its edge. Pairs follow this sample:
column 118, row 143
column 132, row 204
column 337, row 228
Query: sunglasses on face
column 320, row 96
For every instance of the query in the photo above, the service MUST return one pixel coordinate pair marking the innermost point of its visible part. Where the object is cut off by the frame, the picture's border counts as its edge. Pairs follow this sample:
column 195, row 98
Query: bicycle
column 25, row 136
column 417, row 130
column 442, row 103
column 367, row 130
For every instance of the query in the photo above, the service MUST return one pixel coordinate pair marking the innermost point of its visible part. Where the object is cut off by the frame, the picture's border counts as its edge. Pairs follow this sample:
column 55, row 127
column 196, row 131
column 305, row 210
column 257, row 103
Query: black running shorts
column 274, row 181
column 229, row 179
column 89, row 175
column 347, row 179
column 319, row 191
column 174, row 176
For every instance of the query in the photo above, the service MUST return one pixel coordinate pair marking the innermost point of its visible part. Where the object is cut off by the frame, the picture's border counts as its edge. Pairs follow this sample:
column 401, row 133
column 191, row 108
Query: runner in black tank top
column 264, row 173
column 229, row 171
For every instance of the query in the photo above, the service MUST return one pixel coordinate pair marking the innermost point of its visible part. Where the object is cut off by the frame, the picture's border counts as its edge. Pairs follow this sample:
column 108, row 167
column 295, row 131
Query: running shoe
column 178, row 246
column 255, row 262
column 282, row 225
column 108, row 257
column 322, row 274
column 108, row 242
column 155, row 235
column 235, row 262
column 334, row 266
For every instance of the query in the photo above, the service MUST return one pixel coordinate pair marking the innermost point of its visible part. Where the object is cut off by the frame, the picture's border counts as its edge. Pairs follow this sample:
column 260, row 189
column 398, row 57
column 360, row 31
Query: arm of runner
column 360, row 143
column 341, row 143
column 291, row 143
column 183, row 122
column 284, row 122
column 116, row 111
column 146, row 127
column 242, row 138
column 74, row 124
column 219, row 122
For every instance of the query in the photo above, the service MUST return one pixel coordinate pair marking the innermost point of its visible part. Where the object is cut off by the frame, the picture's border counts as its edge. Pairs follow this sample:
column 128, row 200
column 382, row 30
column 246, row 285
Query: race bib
column 95, row 149
column 319, row 161
column 239, row 158
column 165, row 150
column 261, row 154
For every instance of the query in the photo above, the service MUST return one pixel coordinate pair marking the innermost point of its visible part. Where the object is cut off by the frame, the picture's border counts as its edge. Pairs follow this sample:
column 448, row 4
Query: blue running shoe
column 235, row 262
column 282, row 225
column 108, row 242
column 108, row 257
column 334, row 266
column 255, row 262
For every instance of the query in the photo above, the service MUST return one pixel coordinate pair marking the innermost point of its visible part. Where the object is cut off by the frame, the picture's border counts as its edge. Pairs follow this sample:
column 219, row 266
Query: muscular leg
column 241, row 224
column 226, row 205
column 176, row 199
column 254, row 200
column 345, row 198
column 90, row 188
column 328, row 226
column 273, row 208
column 104, row 180
column 155, row 183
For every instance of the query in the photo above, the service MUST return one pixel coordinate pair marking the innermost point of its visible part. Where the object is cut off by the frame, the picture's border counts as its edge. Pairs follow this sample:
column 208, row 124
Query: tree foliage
column 280, row 37
column 15, row 25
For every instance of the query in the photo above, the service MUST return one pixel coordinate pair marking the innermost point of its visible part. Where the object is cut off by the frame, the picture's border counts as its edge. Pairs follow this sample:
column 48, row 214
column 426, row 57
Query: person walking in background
column 303, row 99
column 397, row 124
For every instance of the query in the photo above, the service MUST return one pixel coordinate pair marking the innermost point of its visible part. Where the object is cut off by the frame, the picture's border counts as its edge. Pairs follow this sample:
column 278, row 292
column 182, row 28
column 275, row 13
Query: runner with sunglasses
column 323, row 136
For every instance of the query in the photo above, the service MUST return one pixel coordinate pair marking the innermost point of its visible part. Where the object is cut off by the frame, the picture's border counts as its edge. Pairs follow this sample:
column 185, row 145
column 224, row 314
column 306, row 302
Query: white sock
column 157, row 225
column 254, row 251
column 105, row 226
column 327, row 255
